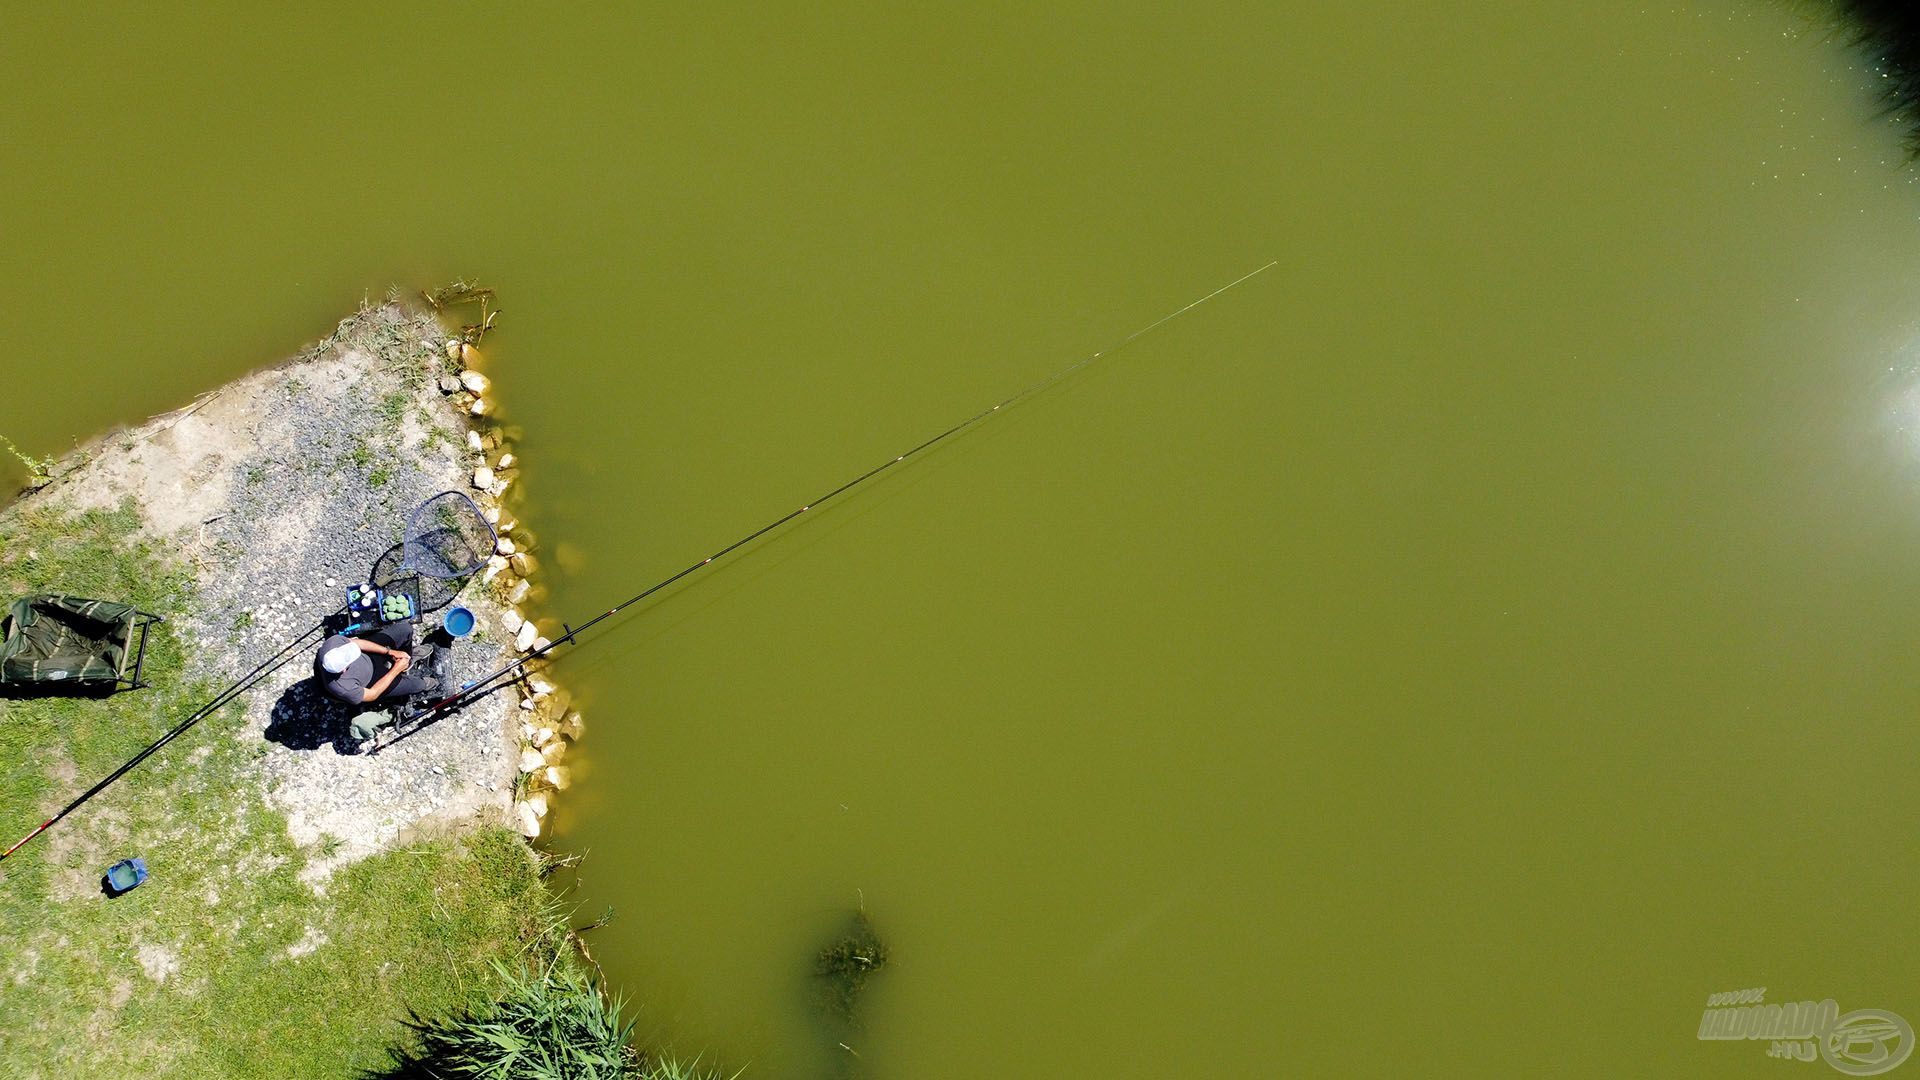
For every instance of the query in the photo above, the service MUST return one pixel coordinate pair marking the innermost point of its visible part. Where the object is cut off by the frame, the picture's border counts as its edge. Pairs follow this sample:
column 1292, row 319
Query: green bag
column 50, row 639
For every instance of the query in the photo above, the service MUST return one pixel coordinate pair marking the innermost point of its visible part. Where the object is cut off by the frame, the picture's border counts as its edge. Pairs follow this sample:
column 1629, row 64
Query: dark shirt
column 350, row 685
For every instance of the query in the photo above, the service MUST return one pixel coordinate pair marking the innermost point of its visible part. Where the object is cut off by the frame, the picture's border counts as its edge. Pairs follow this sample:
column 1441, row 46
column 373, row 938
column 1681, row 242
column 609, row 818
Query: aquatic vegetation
column 461, row 294
column 39, row 470
column 1888, row 31
column 846, row 964
column 549, row 1022
column 842, row 969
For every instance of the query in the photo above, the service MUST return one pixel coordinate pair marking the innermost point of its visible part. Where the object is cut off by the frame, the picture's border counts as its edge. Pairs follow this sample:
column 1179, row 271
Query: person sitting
column 347, row 669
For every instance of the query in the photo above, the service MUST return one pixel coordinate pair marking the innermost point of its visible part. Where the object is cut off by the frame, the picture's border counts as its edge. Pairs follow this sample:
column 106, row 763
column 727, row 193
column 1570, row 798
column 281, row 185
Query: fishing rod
column 266, row 667
column 487, row 683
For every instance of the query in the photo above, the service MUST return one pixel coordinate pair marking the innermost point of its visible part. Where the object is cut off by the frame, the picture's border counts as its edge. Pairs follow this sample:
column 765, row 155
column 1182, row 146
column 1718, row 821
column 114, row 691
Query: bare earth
column 282, row 488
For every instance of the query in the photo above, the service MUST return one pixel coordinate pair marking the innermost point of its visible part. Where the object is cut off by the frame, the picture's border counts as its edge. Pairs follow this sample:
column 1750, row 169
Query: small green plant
column 393, row 407
column 243, row 620
column 330, row 846
column 381, row 473
column 256, row 474
column 39, row 470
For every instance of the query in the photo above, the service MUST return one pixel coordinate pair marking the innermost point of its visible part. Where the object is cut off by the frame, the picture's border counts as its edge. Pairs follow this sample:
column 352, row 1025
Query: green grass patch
column 393, row 407
column 225, row 963
column 551, row 1020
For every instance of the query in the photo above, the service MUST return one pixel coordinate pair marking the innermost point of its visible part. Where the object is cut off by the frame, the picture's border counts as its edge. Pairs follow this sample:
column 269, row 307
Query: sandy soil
column 282, row 488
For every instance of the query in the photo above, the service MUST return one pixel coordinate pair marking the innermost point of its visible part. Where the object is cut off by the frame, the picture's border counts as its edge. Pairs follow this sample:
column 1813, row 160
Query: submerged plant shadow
column 842, row 969
column 1887, row 32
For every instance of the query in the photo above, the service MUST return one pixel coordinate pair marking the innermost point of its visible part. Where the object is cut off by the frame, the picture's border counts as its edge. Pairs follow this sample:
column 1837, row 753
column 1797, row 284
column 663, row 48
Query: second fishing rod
column 233, row 690
column 495, row 679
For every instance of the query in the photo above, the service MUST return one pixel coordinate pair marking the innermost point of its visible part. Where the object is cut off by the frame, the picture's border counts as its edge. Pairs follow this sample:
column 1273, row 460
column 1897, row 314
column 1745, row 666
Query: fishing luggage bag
column 54, row 642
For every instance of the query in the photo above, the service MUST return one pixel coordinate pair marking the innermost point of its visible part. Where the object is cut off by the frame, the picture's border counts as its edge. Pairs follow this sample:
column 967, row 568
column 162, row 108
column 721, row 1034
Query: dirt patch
column 159, row 963
column 29, row 964
column 309, row 941
column 280, row 489
column 82, row 855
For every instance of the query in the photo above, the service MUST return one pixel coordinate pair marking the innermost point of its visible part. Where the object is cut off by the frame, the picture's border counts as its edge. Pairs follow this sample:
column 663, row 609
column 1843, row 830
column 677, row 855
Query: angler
column 447, row 538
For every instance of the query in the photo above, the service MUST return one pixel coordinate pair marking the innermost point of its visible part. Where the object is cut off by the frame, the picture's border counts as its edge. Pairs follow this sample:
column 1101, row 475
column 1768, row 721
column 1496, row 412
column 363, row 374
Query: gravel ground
column 282, row 489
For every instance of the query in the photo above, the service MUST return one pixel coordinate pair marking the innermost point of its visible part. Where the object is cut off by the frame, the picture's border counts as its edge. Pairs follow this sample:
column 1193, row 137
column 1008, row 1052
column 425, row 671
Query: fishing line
column 490, row 682
column 266, row 667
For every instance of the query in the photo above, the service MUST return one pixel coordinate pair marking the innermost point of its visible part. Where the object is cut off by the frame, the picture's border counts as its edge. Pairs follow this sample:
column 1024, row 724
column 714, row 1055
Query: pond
column 1464, row 648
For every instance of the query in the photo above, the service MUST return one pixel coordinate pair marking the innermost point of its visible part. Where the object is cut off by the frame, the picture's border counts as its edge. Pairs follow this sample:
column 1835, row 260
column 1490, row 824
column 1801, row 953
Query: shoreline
column 307, row 886
column 251, row 484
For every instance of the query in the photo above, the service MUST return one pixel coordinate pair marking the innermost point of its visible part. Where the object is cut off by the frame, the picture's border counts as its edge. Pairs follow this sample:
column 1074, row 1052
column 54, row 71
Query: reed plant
column 546, row 1024
column 549, row 1021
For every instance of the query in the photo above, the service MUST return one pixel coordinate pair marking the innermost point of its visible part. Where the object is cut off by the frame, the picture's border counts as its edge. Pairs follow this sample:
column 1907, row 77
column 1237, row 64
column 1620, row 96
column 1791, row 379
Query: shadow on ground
column 307, row 718
column 29, row 691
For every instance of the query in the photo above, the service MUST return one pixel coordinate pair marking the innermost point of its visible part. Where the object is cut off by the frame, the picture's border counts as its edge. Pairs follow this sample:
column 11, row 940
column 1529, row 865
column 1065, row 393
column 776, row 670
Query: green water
column 1457, row 652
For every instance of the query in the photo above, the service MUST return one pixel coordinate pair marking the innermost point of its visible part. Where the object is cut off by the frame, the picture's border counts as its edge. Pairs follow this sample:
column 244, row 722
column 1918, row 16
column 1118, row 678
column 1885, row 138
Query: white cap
column 336, row 659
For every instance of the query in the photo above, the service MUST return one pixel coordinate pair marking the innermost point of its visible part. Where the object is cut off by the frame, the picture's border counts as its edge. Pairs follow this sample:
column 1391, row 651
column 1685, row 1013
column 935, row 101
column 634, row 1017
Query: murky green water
column 1460, row 651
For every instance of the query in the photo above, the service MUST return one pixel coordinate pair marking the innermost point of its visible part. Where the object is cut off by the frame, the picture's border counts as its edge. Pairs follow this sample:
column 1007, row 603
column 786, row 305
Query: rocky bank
column 282, row 488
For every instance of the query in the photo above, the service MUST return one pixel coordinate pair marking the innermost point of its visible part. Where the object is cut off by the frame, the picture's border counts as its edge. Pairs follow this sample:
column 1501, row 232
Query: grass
column 225, row 963
column 393, row 407
column 403, row 342
column 551, row 1021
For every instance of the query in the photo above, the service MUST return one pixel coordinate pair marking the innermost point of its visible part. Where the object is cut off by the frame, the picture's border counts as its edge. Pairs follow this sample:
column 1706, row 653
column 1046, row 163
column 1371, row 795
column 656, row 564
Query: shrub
column 549, row 1023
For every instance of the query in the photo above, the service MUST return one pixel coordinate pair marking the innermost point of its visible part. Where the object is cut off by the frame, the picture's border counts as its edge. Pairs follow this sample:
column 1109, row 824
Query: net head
column 447, row 538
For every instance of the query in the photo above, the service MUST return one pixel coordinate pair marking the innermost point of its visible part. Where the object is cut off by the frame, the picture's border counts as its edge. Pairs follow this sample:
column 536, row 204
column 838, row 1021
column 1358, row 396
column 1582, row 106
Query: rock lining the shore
column 282, row 488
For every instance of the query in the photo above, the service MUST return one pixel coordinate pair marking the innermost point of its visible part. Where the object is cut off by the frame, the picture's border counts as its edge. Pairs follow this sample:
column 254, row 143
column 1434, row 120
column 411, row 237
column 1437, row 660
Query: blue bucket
column 125, row 875
column 457, row 621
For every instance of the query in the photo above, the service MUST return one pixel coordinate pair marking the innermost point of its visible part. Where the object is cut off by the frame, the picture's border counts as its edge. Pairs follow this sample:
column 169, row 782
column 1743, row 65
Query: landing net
column 447, row 538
